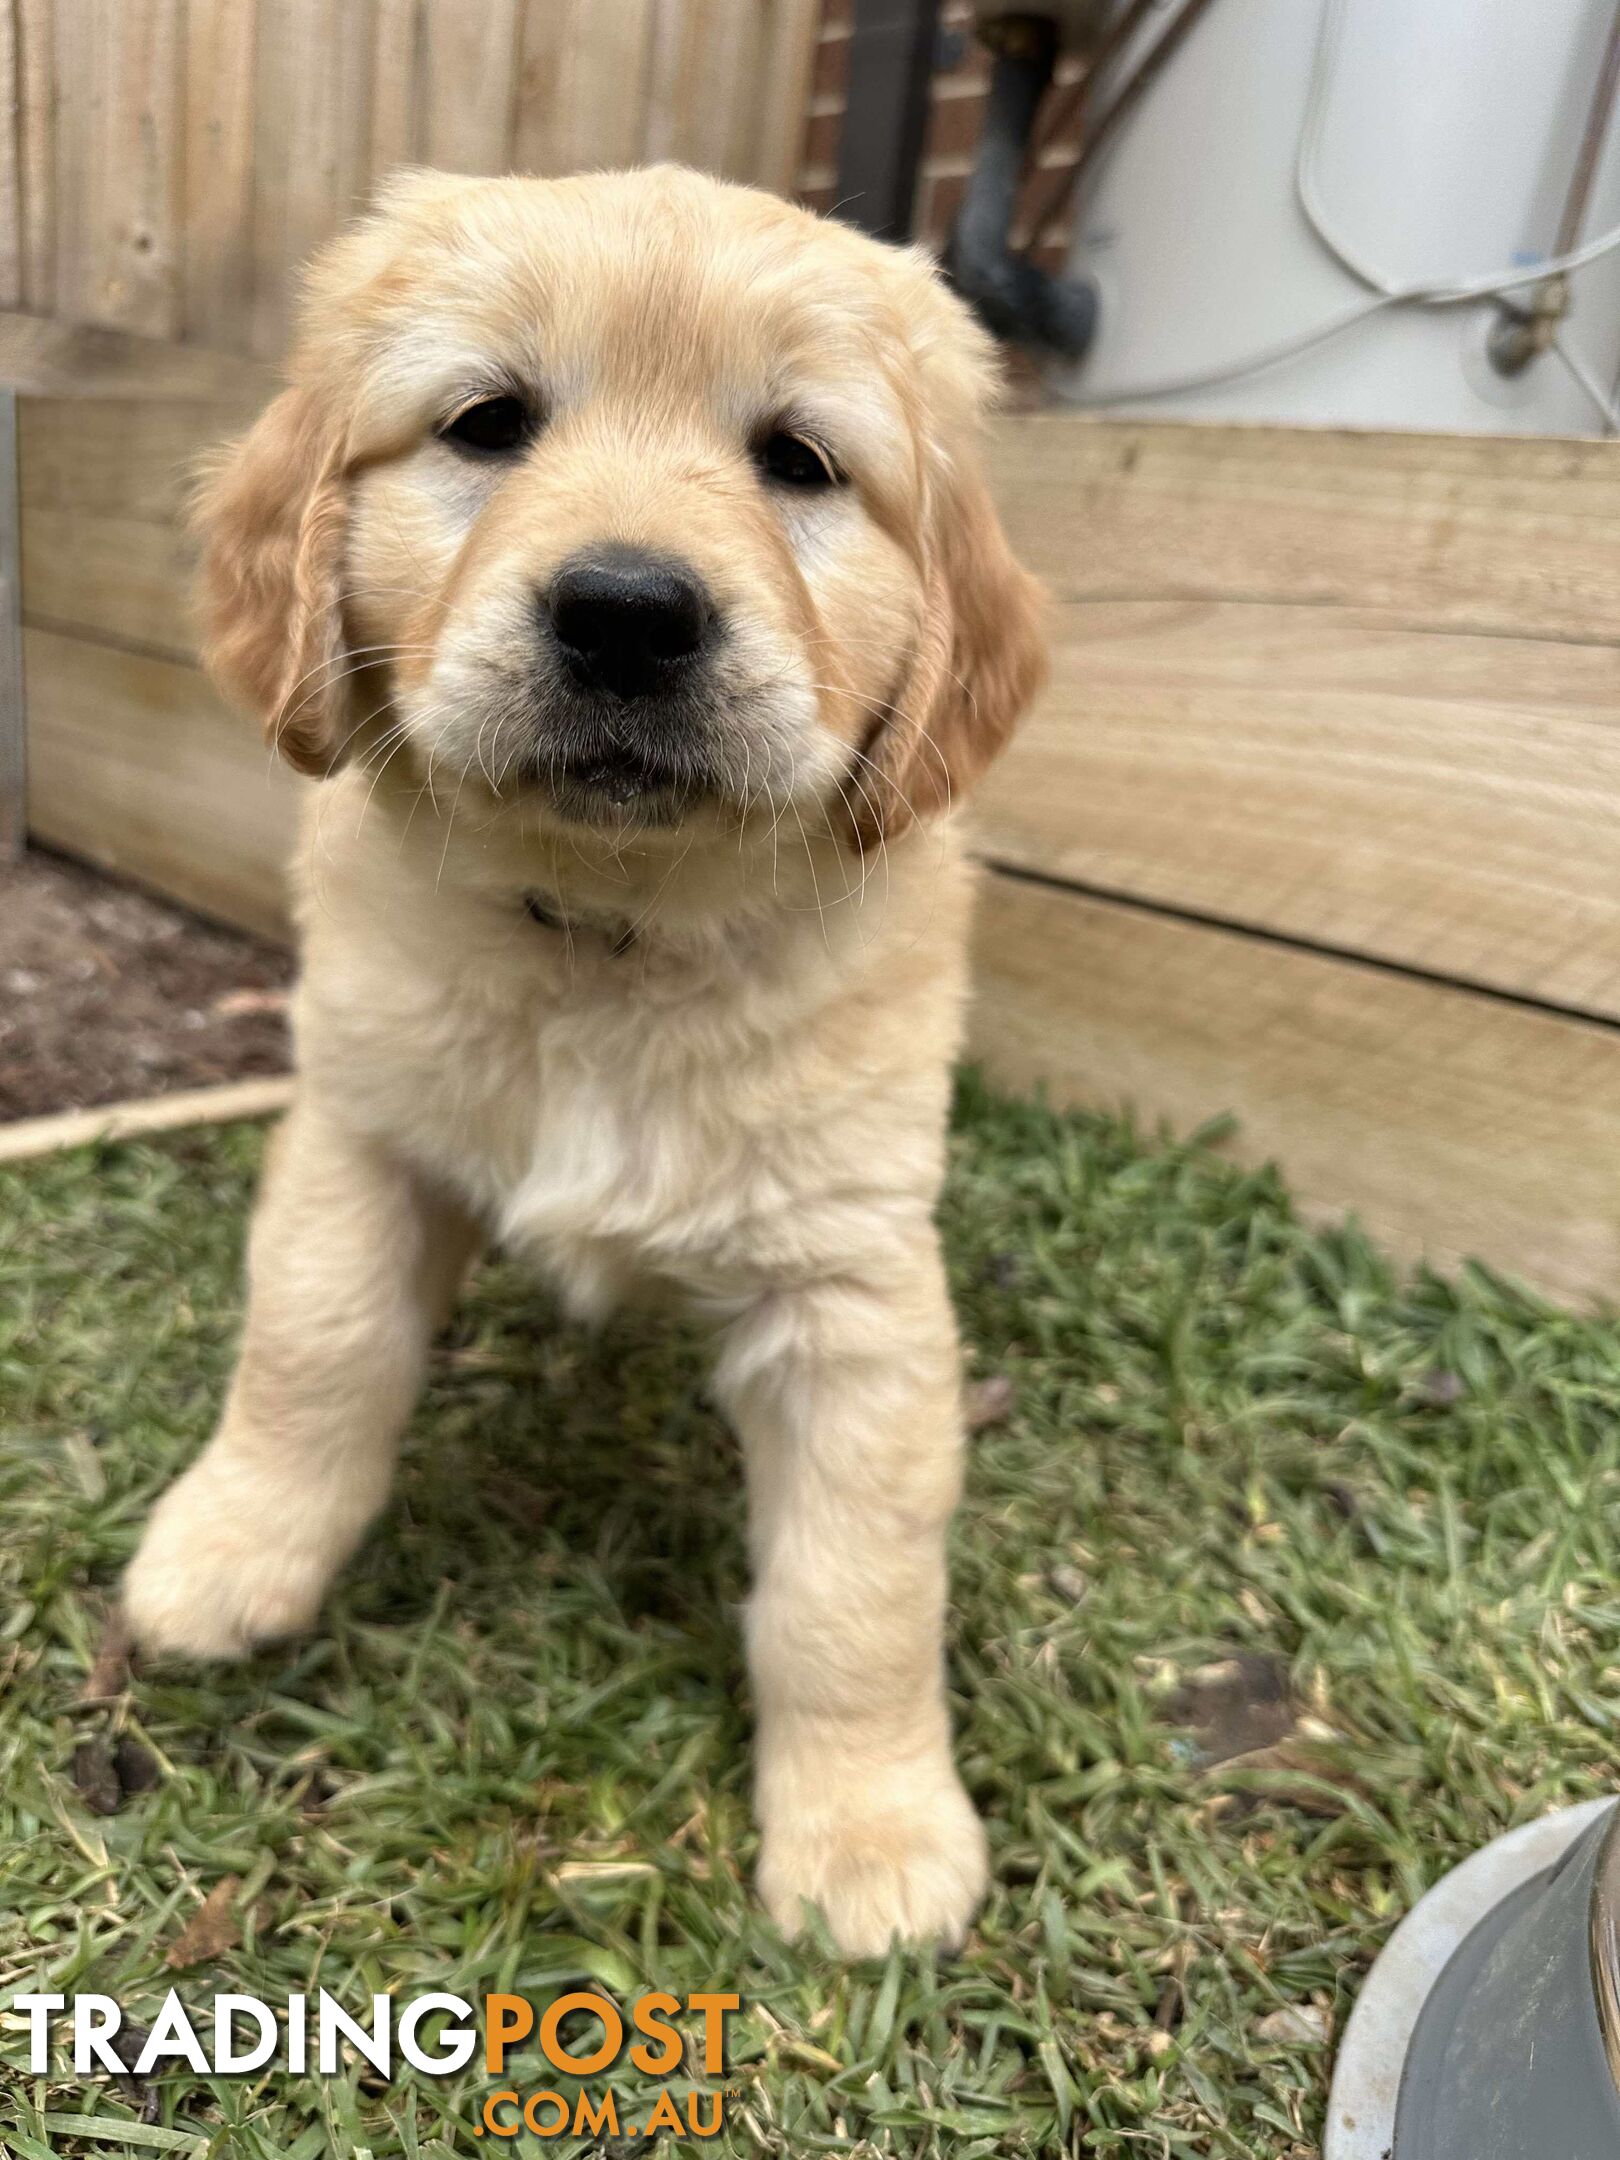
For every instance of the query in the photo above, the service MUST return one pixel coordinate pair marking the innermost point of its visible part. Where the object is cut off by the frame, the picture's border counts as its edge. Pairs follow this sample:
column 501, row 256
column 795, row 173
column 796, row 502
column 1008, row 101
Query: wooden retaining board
column 1451, row 1123
column 135, row 763
column 1361, row 690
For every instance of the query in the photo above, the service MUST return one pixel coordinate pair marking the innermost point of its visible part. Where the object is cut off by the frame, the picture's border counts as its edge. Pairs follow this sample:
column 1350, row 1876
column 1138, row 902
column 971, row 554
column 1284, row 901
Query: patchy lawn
column 1258, row 1496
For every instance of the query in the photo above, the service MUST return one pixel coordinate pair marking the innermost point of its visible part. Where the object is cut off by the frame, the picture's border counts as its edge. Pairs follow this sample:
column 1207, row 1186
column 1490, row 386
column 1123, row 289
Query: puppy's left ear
column 979, row 660
column 272, row 517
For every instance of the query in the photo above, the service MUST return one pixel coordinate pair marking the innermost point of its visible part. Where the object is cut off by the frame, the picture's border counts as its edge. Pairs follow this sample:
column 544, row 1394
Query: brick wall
column 961, row 78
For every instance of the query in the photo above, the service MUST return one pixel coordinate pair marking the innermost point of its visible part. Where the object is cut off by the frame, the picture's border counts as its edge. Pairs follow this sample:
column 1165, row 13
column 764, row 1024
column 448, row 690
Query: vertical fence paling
column 13, row 741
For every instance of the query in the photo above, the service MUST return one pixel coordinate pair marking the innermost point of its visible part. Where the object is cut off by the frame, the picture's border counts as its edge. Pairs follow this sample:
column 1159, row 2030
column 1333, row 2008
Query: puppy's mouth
column 607, row 785
column 607, row 763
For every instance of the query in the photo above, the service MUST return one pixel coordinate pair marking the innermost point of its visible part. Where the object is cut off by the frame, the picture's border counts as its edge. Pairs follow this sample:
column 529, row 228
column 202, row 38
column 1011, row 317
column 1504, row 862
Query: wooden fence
column 173, row 161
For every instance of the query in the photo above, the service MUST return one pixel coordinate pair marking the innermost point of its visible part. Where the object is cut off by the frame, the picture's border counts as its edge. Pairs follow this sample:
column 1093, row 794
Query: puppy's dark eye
column 493, row 427
column 796, row 461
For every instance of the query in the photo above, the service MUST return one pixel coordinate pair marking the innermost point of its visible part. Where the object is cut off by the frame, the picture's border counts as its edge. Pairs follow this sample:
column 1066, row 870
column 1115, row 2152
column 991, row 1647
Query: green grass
column 515, row 1755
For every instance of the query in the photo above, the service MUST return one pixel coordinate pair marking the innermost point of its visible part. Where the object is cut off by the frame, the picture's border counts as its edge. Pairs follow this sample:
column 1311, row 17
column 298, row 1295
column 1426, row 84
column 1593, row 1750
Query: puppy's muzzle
column 629, row 639
column 629, row 625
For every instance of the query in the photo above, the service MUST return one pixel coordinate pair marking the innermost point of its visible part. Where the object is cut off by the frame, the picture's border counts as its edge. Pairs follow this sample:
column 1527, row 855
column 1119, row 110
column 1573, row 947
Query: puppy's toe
column 917, row 1873
column 208, row 1584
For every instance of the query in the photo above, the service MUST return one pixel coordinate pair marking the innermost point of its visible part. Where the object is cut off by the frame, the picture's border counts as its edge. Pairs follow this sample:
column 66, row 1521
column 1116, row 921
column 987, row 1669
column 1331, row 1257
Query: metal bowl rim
column 1603, row 1938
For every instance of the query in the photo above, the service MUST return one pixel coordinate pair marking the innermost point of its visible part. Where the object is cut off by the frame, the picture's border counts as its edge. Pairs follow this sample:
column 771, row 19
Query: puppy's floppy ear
column 979, row 659
column 272, row 517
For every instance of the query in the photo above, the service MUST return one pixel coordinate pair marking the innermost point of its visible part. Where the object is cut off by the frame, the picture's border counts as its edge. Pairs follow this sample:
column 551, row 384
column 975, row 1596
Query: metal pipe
column 891, row 64
column 1069, row 108
column 1525, row 329
column 1598, row 115
column 1115, row 113
column 1011, row 296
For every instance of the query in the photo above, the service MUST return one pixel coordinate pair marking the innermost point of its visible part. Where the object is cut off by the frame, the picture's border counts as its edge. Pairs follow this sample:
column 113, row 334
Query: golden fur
column 721, row 1065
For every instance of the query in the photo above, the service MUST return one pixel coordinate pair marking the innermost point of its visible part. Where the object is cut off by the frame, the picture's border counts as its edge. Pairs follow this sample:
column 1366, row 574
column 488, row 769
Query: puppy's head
column 630, row 500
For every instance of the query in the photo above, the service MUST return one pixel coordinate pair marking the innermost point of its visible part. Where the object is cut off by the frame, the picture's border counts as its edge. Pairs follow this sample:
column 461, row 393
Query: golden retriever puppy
column 619, row 559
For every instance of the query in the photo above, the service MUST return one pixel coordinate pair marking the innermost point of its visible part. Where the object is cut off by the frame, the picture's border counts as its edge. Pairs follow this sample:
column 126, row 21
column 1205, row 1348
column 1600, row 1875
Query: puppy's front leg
column 352, row 1264
column 846, row 1395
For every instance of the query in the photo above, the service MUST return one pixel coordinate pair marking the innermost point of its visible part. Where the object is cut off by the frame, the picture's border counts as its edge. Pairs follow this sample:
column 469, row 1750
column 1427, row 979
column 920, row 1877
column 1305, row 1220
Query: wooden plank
column 78, row 89
column 396, row 67
column 469, row 77
column 1451, row 1123
column 665, row 84
column 784, row 92
column 11, row 195
column 54, row 359
column 137, row 765
column 1504, row 535
column 722, row 121
column 583, row 84
column 702, row 99
column 117, row 73
column 1450, row 802
column 113, row 576
column 217, row 270
column 13, row 737
column 25, row 1138
column 145, row 204
column 104, row 487
column 312, row 146
column 36, row 152
column 117, row 456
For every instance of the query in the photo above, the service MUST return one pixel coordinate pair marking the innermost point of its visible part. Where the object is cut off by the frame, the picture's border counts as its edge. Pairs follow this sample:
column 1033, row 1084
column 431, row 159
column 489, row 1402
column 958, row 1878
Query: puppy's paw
column 914, row 1867
column 214, row 1578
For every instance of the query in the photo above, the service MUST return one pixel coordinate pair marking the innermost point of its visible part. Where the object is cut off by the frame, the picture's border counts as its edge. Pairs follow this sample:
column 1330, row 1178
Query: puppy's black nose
column 626, row 621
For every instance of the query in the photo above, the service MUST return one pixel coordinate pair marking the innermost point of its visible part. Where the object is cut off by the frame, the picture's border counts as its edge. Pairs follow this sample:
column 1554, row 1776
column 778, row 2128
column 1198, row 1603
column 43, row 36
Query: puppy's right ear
column 272, row 516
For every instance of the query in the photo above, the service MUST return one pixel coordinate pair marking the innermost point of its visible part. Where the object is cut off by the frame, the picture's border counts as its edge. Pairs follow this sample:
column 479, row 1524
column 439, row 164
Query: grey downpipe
column 1011, row 296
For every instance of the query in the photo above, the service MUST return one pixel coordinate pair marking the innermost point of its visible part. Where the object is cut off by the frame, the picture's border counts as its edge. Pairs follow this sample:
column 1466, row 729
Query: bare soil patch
column 108, row 992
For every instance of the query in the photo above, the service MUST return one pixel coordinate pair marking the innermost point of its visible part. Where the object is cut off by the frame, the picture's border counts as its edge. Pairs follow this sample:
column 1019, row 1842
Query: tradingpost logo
column 436, row 2035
